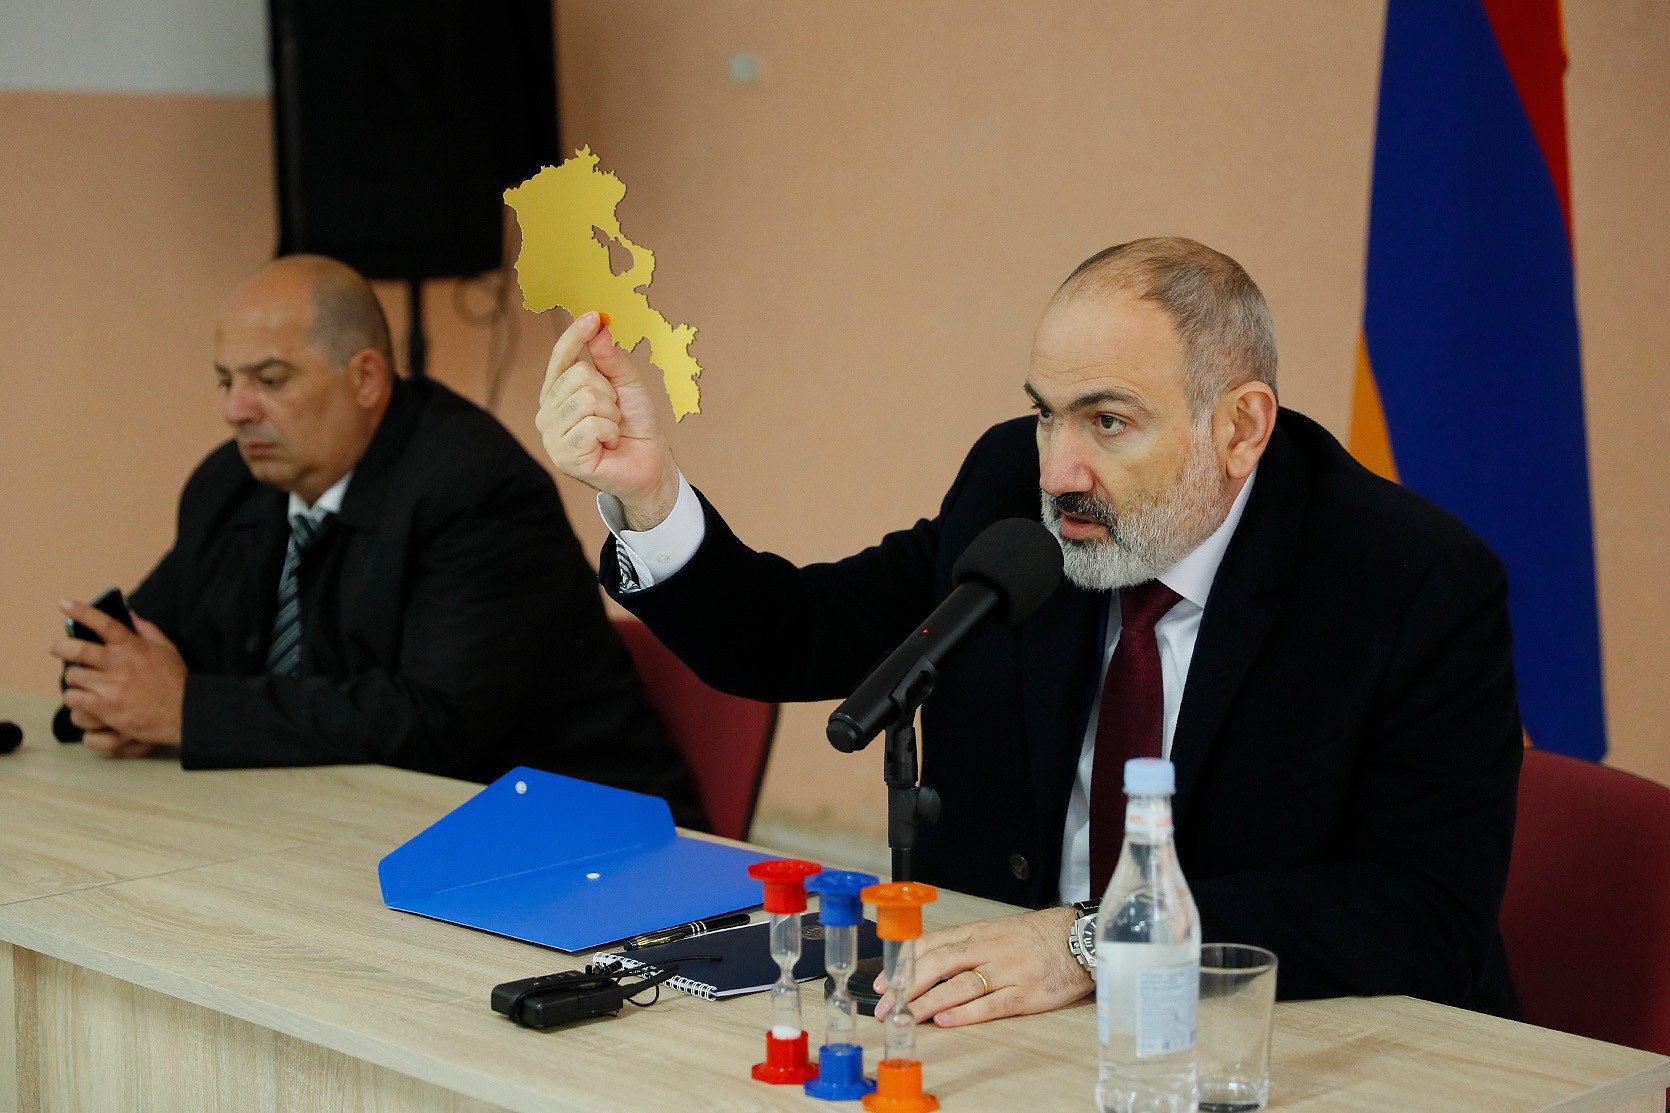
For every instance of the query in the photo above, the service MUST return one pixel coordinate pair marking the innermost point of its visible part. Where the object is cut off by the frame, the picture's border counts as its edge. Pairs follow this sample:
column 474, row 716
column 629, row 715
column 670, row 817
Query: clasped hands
column 1022, row 958
column 126, row 694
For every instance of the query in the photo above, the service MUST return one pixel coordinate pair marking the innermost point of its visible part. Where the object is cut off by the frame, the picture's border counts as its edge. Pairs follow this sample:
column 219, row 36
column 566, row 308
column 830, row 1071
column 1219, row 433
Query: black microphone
column 1010, row 569
column 11, row 737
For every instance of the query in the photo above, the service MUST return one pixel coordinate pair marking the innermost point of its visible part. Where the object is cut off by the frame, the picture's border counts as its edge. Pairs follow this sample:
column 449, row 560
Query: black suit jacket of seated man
column 1347, row 748
column 450, row 621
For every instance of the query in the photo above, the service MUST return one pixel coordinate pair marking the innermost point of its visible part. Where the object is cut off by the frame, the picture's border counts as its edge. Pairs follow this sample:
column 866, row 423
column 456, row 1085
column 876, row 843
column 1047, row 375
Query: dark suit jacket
column 1347, row 749
column 450, row 622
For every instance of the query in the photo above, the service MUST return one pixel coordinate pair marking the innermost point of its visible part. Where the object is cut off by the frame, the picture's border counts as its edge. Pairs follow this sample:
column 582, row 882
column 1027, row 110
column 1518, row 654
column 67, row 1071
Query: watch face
column 1083, row 941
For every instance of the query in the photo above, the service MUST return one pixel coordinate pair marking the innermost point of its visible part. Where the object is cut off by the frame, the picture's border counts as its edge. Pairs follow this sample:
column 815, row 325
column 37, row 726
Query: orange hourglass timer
column 899, row 923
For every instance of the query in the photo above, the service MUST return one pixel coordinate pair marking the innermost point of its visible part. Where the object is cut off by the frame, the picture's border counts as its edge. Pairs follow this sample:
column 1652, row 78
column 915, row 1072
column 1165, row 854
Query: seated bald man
column 371, row 570
column 1332, row 652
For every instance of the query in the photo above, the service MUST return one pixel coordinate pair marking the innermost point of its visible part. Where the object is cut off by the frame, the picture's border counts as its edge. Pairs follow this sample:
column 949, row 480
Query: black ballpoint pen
column 685, row 931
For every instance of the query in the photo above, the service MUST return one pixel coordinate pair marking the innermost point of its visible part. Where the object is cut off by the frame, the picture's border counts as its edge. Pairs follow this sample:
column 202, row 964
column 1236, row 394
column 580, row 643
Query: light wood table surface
column 216, row 941
column 72, row 820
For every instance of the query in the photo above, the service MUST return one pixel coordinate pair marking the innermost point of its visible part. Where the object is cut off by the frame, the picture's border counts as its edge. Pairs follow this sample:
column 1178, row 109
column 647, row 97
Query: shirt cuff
column 648, row 557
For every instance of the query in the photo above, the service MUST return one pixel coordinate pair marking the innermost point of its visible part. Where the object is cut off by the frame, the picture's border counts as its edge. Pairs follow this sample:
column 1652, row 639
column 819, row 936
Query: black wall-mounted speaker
column 398, row 124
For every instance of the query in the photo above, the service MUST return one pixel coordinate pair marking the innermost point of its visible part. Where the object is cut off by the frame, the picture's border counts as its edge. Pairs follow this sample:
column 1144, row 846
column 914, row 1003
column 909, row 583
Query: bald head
column 302, row 354
column 332, row 303
column 1218, row 311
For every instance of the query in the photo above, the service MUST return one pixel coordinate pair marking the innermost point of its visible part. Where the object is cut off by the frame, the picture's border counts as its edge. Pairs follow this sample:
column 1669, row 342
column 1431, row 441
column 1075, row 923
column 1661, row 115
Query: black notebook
column 735, row 961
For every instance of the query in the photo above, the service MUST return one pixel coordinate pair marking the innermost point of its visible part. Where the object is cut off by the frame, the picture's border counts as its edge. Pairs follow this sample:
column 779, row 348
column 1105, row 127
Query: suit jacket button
column 1020, row 867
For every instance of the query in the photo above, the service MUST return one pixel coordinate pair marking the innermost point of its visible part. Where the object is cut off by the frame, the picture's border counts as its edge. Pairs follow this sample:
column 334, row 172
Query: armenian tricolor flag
column 1469, row 383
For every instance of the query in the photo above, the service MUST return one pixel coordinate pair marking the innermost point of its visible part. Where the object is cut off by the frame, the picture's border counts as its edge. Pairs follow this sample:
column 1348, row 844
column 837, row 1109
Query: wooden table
column 215, row 941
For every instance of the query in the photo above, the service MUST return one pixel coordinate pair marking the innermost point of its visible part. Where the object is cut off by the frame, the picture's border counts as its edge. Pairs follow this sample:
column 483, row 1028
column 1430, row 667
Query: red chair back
column 1586, row 918
column 725, row 739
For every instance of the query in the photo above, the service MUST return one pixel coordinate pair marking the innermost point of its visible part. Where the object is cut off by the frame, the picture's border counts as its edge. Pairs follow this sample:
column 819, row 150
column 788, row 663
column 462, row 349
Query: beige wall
column 863, row 236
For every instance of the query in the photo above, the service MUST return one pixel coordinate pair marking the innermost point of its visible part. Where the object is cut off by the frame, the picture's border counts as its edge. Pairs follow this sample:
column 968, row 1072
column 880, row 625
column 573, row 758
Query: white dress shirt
column 655, row 554
column 329, row 503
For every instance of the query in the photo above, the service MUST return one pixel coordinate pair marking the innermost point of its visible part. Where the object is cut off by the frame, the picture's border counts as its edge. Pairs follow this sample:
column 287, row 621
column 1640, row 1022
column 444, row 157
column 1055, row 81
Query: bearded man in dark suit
column 372, row 570
column 1329, row 656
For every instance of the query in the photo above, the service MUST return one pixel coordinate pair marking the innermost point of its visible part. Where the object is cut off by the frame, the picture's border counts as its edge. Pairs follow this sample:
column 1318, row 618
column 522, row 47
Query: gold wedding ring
column 985, row 986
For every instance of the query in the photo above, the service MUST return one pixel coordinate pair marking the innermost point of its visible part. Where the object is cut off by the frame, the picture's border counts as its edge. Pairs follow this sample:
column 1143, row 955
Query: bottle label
column 1148, row 822
column 1167, row 997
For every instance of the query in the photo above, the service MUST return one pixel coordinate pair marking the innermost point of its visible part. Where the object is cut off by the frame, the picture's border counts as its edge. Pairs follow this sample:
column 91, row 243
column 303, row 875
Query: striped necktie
column 284, row 656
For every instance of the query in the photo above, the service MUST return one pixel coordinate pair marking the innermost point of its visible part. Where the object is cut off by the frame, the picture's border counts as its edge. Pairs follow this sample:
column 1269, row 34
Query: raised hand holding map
column 562, row 263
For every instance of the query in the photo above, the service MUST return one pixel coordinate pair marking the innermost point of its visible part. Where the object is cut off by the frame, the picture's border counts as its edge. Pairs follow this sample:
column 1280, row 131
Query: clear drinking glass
column 1237, row 1002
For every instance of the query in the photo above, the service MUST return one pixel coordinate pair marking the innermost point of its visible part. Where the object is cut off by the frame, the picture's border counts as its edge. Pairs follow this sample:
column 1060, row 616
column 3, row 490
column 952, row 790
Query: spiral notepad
column 735, row 961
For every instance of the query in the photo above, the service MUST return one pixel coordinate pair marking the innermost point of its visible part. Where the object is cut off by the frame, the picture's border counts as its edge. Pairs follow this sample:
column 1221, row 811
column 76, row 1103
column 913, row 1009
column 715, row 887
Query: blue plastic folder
column 566, row 864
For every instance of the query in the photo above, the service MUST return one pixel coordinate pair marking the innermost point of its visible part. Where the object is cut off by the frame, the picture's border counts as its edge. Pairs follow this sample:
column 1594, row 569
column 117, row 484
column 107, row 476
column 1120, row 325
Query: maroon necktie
column 1130, row 723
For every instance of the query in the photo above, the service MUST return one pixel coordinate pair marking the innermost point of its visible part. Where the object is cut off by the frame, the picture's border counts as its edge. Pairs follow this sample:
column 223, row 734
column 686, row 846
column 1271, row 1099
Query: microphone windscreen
column 1018, row 557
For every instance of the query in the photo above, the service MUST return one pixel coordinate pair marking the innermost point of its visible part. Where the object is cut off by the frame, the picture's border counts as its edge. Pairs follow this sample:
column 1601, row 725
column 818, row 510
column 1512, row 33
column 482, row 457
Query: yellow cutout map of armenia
column 562, row 263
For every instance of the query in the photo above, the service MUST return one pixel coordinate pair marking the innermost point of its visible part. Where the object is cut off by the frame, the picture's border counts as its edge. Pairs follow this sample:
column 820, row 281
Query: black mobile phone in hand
column 109, row 601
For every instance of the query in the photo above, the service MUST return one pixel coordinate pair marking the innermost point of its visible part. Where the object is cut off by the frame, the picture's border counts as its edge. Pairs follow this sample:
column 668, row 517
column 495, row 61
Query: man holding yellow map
column 1347, row 743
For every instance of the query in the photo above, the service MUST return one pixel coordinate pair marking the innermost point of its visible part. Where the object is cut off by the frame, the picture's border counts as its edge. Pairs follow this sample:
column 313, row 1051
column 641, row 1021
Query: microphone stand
column 1008, row 570
column 909, row 803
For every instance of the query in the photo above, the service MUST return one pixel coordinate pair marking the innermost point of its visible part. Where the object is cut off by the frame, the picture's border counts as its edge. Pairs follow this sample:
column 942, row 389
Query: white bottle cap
column 1150, row 776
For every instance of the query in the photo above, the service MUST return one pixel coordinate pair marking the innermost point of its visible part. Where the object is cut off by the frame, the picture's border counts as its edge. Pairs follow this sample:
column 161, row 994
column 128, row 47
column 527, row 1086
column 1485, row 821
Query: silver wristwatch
column 1081, row 941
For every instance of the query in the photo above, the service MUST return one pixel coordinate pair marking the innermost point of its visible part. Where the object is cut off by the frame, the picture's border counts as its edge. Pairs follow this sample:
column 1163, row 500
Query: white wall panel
column 135, row 46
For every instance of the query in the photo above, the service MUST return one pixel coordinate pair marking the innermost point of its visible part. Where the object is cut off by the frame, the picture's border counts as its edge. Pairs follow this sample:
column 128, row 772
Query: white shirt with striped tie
column 329, row 503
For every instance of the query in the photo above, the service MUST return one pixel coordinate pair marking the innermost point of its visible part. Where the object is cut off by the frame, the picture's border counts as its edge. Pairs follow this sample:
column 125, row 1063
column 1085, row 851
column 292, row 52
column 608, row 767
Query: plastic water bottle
column 1147, row 960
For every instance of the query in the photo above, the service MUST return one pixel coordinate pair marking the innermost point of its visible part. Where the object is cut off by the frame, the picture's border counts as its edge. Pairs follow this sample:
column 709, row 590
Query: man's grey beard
column 1148, row 539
